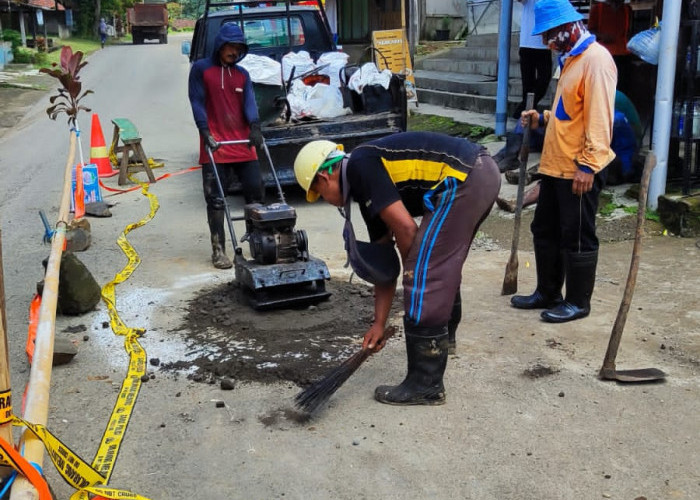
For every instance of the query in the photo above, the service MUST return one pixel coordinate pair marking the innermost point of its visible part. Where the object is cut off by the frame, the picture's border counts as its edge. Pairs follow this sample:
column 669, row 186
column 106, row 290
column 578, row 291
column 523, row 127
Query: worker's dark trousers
column 248, row 174
column 565, row 220
column 433, row 269
column 536, row 73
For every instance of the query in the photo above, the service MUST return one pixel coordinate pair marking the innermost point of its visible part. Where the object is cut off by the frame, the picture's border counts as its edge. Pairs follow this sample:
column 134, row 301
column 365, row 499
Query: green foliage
column 445, row 23
column 69, row 95
column 444, row 125
column 12, row 36
column 22, row 55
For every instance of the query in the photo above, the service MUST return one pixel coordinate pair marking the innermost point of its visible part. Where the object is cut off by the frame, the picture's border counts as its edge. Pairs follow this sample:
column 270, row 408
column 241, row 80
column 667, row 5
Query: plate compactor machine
column 280, row 272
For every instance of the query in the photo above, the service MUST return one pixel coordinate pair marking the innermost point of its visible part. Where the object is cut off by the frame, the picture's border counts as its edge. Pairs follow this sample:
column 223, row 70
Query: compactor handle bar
column 269, row 159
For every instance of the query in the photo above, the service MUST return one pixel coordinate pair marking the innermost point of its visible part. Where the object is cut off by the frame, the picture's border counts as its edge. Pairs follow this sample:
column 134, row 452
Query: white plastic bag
column 301, row 61
column 336, row 61
column 320, row 101
column 368, row 74
column 325, row 101
column 262, row 69
column 646, row 45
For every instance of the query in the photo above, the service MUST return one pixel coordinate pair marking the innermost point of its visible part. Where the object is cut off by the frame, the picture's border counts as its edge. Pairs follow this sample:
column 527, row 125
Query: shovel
column 608, row 371
column 510, row 280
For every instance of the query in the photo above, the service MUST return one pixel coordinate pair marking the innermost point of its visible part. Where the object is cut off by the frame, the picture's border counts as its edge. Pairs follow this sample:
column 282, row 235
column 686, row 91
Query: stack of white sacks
column 319, row 100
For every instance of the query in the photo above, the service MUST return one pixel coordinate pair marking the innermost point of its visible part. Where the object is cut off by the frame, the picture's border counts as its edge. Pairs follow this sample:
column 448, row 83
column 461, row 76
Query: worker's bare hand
column 375, row 339
column 534, row 117
column 583, row 182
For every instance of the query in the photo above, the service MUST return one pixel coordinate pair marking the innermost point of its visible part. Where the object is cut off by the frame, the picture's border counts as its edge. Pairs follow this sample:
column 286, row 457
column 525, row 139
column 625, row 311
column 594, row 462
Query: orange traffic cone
column 98, row 150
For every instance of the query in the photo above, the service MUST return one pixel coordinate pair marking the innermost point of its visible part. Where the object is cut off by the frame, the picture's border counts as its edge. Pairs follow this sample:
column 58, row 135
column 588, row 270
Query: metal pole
column 663, row 109
column 504, row 36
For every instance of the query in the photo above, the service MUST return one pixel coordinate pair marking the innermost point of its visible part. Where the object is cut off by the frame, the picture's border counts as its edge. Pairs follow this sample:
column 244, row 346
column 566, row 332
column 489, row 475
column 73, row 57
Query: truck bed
column 284, row 141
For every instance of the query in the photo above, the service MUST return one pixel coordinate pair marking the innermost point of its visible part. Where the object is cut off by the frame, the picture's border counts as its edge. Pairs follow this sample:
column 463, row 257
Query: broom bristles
column 318, row 393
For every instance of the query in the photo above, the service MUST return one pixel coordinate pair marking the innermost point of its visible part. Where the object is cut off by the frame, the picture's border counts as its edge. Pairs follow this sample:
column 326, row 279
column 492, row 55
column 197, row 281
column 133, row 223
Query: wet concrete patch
column 226, row 338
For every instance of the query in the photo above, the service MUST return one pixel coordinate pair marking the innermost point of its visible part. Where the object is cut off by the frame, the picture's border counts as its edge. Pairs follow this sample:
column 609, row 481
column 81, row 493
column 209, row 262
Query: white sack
column 262, row 69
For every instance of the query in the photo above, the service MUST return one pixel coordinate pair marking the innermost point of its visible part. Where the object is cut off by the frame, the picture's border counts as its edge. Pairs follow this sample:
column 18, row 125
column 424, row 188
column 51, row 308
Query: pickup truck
column 267, row 31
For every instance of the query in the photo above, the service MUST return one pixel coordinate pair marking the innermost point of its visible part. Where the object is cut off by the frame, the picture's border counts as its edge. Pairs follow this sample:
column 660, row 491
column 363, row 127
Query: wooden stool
column 129, row 135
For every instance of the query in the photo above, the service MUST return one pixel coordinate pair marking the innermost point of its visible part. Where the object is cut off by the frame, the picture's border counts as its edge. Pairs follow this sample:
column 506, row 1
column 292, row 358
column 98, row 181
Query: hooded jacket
column 223, row 100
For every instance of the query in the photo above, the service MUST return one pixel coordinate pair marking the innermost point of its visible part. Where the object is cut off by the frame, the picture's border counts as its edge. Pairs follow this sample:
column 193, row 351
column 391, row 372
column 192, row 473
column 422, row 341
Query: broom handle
column 621, row 319
column 523, row 156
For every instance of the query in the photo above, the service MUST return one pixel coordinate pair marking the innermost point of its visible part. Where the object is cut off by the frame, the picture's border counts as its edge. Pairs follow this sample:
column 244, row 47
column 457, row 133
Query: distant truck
column 148, row 21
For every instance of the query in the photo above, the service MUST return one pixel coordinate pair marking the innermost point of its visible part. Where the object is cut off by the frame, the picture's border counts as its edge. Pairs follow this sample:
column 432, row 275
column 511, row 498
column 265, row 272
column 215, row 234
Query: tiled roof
column 44, row 4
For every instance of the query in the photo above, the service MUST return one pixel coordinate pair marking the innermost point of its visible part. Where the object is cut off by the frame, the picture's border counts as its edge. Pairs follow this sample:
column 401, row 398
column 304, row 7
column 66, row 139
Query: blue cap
column 552, row 13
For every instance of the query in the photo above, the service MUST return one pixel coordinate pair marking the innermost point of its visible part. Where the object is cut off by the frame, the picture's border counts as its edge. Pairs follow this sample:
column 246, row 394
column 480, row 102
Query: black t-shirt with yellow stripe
column 404, row 167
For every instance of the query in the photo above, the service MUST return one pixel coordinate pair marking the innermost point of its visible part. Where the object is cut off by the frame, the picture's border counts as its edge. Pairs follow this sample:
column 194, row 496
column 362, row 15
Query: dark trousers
column 248, row 174
column 433, row 268
column 565, row 220
column 535, row 72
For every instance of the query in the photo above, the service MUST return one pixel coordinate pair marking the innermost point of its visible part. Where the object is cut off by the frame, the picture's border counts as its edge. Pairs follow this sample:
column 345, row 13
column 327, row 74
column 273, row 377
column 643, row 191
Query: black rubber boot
column 218, row 239
column 507, row 158
column 427, row 358
column 580, row 280
column 455, row 318
column 550, row 278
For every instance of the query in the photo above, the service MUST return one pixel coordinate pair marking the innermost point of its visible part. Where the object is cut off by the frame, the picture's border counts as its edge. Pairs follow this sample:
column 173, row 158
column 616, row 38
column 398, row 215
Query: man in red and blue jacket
column 223, row 104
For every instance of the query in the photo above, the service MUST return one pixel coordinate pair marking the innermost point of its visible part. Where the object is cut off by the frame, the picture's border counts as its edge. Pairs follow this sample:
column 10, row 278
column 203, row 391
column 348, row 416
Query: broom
column 313, row 397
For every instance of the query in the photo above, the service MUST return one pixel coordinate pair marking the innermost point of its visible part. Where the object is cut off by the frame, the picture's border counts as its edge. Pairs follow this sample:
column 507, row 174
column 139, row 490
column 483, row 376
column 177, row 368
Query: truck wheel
column 164, row 38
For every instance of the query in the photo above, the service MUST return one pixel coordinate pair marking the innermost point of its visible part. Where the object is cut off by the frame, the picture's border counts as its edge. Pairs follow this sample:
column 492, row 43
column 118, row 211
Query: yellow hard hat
column 309, row 160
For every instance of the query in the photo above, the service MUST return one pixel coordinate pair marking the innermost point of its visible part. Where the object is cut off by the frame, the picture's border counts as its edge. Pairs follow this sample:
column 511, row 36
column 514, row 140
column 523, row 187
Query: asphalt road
column 505, row 433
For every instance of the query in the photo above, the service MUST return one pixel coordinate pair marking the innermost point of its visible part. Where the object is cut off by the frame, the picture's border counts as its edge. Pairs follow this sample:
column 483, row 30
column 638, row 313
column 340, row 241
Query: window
column 273, row 32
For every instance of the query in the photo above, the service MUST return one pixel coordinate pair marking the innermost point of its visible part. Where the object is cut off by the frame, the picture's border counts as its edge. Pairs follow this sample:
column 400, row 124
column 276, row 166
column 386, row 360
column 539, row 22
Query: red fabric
column 610, row 25
column 227, row 122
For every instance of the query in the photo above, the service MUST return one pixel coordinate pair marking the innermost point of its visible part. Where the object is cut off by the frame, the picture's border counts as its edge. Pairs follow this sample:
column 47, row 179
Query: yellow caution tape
column 90, row 479
column 5, row 406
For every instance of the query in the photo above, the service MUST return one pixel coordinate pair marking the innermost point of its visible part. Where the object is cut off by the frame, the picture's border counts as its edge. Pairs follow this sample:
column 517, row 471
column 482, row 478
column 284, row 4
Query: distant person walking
column 103, row 32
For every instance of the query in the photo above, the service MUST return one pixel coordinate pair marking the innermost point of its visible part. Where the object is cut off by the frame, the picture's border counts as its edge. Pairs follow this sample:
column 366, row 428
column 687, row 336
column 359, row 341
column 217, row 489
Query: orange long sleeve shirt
column 579, row 127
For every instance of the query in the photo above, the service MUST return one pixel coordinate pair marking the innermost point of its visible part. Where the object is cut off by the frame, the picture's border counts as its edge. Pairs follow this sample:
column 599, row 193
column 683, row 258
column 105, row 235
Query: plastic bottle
column 696, row 119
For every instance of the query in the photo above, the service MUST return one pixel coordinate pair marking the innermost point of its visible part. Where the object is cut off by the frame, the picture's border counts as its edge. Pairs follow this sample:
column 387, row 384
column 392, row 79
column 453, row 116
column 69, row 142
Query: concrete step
column 470, row 102
column 489, row 53
column 487, row 68
column 464, row 84
column 490, row 40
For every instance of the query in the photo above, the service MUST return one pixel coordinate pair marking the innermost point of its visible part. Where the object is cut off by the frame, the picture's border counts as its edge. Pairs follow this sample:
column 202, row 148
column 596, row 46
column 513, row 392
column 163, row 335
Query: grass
column 433, row 123
column 86, row 46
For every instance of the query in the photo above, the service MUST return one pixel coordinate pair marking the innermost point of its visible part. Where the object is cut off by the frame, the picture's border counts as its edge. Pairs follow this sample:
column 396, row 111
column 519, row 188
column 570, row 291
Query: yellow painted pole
column 37, row 399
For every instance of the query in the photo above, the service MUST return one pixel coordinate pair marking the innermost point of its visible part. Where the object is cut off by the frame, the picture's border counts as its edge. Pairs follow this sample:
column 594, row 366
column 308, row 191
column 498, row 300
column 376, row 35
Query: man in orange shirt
column 574, row 156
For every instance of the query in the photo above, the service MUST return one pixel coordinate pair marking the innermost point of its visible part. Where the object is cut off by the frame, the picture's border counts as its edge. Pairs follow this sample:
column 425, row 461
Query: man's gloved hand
column 209, row 139
column 256, row 137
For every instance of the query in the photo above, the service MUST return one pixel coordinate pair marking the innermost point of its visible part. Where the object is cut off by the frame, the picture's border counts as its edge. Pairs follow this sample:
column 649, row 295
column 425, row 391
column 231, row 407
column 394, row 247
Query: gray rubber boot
column 427, row 358
column 218, row 239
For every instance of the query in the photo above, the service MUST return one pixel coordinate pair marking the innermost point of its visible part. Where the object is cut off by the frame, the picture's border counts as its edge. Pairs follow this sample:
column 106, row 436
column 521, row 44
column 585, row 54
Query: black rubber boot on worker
column 427, row 358
column 580, row 280
column 455, row 318
column 218, row 239
column 550, row 278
